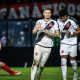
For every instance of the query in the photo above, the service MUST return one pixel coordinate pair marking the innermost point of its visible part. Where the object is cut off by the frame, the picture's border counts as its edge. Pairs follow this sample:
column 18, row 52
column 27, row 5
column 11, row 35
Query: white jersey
column 71, row 26
column 41, row 38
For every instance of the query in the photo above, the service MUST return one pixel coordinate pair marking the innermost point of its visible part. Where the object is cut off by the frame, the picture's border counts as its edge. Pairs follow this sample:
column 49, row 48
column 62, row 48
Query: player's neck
column 45, row 19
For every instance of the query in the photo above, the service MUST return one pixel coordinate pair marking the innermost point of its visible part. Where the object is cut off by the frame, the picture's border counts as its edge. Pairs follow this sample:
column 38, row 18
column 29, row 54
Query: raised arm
column 36, row 28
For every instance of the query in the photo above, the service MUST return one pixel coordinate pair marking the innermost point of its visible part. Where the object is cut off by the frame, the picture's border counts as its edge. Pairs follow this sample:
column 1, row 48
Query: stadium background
column 18, row 17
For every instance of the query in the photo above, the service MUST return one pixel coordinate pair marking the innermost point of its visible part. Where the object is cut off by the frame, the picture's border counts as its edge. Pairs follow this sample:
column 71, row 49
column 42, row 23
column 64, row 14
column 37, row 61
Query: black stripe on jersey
column 42, row 34
column 50, row 25
column 67, row 26
column 44, row 46
column 68, row 44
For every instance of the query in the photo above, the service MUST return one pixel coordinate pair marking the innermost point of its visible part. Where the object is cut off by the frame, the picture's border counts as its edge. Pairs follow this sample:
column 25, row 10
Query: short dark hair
column 63, row 12
column 48, row 9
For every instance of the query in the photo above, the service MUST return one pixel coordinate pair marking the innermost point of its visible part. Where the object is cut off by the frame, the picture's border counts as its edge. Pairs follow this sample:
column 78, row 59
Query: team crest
column 36, row 54
column 62, row 51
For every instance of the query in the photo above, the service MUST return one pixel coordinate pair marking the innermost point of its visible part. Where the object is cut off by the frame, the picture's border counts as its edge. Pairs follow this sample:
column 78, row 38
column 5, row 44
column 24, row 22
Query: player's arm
column 76, row 27
column 57, row 33
column 50, row 34
column 77, row 32
column 72, row 33
column 36, row 28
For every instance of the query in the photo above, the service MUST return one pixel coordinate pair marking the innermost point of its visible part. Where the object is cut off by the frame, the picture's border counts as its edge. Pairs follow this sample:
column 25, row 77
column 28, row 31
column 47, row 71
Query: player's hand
column 68, row 33
column 46, row 31
column 38, row 26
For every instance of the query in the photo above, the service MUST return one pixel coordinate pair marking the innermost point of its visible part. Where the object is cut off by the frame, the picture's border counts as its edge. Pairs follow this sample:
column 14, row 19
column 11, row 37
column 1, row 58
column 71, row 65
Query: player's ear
column 43, row 13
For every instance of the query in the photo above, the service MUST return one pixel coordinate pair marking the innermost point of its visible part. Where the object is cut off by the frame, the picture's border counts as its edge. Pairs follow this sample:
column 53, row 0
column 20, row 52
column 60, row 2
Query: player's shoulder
column 73, row 20
column 53, row 20
column 58, row 20
column 40, row 20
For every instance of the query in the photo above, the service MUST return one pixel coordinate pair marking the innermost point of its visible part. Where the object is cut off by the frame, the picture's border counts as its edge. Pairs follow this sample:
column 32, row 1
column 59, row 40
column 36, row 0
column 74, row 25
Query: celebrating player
column 45, row 29
column 69, row 30
column 7, row 68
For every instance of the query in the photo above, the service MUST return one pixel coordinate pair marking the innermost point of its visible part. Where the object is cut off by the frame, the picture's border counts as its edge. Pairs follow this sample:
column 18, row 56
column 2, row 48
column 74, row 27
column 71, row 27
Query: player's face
column 47, row 14
column 64, row 18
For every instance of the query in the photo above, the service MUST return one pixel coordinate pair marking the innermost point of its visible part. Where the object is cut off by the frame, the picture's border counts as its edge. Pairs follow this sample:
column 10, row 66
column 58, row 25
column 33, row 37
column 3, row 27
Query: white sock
column 33, row 72
column 64, row 68
column 74, row 67
column 39, row 72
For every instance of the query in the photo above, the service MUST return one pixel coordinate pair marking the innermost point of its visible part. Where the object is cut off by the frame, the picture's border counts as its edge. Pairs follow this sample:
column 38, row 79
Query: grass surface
column 49, row 73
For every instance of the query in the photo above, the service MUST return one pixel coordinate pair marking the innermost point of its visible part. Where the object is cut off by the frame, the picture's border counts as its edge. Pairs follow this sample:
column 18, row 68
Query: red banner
column 34, row 10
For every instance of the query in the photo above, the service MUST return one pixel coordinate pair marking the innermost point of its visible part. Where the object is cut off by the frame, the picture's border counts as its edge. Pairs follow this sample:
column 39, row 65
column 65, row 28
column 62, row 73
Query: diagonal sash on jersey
column 41, row 34
column 66, row 27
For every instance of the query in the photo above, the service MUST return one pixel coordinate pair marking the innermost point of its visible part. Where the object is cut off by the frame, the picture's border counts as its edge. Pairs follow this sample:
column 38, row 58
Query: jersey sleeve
column 75, row 25
column 38, row 21
column 74, row 22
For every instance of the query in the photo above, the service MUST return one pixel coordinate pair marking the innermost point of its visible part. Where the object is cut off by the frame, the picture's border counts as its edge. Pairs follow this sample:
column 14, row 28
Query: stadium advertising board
column 34, row 10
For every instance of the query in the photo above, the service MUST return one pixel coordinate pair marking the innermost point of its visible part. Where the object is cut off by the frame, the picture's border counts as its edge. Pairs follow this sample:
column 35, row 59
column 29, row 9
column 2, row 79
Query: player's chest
column 44, row 25
column 65, row 25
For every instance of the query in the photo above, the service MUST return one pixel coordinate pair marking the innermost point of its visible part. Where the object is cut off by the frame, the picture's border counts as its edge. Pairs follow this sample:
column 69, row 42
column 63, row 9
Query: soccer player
column 69, row 30
column 7, row 68
column 45, row 29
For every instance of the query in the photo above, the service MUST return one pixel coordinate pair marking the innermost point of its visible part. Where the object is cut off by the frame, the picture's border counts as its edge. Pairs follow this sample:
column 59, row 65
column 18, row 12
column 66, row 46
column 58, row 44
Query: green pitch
column 49, row 73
